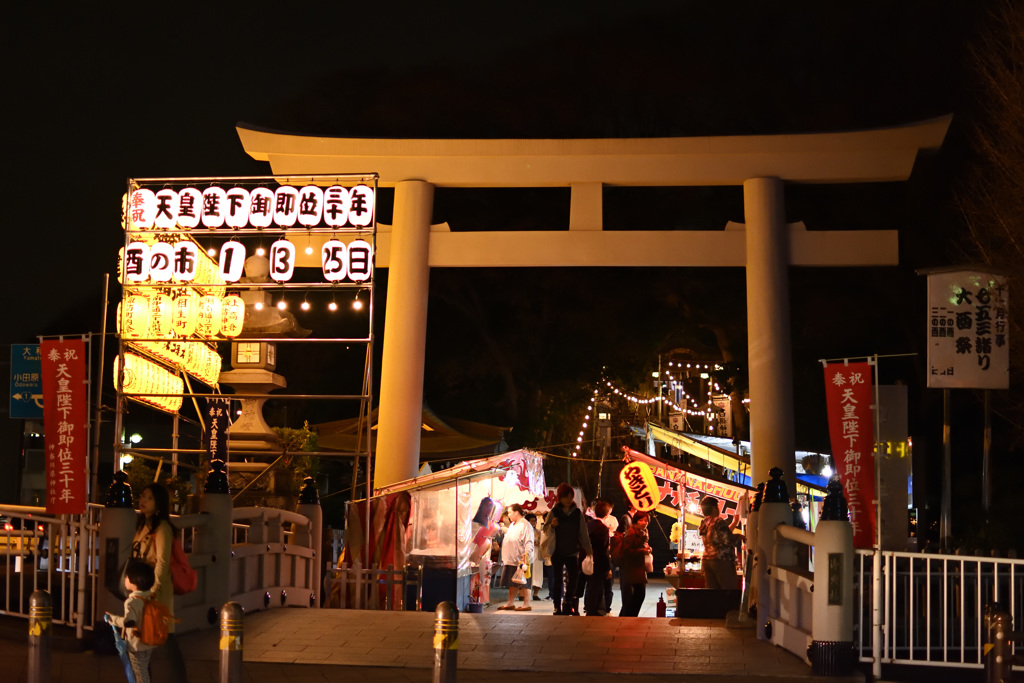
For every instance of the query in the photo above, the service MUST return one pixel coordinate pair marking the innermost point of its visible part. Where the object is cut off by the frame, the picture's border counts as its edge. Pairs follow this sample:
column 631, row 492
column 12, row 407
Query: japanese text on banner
column 64, row 414
column 848, row 397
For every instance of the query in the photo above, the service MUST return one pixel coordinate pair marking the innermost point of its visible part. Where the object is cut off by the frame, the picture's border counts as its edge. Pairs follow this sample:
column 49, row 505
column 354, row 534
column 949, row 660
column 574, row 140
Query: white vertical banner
column 968, row 330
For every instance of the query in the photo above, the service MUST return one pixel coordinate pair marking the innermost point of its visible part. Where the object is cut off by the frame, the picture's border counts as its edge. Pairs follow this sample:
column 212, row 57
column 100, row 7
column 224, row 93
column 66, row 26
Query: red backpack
column 156, row 622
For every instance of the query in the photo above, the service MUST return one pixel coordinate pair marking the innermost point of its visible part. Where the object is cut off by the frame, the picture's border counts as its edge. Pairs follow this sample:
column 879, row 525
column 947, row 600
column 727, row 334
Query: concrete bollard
column 231, row 615
column 999, row 657
column 40, row 618
column 774, row 510
column 446, row 643
column 832, row 651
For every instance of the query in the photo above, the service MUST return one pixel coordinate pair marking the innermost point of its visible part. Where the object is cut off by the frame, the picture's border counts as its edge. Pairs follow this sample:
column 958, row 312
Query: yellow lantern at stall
column 232, row 316
column 641, row 488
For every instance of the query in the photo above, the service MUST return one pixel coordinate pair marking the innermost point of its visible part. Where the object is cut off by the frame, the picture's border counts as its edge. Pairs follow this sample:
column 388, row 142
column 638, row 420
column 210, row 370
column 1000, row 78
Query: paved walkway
column 304, row 646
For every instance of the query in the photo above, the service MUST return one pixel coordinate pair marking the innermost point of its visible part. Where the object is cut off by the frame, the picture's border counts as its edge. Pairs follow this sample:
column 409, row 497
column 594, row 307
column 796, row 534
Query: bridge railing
column 933, row 606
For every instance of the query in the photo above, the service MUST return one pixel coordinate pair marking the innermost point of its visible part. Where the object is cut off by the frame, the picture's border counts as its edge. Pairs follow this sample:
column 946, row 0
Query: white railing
column 55, row 553
column 933, row 606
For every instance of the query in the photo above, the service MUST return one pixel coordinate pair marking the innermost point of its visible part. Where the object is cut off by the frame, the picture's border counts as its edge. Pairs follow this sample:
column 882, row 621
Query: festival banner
column 65, row 408
column 848, row 398
column 217, row 418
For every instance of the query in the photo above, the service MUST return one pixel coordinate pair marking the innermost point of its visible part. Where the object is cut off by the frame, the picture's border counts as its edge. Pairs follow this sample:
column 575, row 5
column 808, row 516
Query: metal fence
column 933, row 606
column 55, row 553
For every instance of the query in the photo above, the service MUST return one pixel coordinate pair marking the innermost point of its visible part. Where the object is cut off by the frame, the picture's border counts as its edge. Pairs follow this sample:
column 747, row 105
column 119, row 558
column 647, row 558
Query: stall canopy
column 441, row 438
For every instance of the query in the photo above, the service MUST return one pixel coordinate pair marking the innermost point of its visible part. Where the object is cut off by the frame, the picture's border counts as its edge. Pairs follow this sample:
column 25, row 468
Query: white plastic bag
column 649, row 563
column 588, row 565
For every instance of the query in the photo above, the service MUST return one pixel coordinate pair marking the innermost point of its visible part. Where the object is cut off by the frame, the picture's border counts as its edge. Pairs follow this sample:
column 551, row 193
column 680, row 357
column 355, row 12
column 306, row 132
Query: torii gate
column 765, row 245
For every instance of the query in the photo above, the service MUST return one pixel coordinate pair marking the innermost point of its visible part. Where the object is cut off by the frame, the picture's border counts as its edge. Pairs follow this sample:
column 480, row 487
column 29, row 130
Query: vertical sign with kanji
column 848, row 398
column 65, row 406
column 968, row 331
column 217, row 420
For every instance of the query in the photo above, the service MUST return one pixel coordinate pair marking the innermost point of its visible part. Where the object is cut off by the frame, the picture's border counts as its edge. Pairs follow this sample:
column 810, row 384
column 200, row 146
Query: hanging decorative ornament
column 136, row 262
column 232, row 316
column 360, row 212
column 141, row 209
column 236, row 210
column 190, row 207
column 214, row 203
column 286, row 206
column 232, row 261
column 360, row 260
column 311, row 205
column 208, row 317
column 161, row 262
column 261, row 207
column 337, row 200
column 334, row 260
column 186, row 309
column 161, row 315
column 282, row 260
column 136, row 317
column 166, row 216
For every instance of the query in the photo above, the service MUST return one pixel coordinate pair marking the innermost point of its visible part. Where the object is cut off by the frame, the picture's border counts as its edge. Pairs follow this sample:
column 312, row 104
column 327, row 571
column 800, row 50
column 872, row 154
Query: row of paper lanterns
column 237, row 207
column 156, row 263
column 144, row 377
column 159, row 315
column 192, row 356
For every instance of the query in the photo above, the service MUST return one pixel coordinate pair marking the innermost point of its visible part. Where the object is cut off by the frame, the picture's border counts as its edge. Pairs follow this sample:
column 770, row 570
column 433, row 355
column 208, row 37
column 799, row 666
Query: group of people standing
column 569, row 538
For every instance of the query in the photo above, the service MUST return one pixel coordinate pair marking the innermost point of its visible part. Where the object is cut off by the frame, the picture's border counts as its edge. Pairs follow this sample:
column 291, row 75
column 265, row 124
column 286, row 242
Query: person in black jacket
column 570, row 535
column 594, row 600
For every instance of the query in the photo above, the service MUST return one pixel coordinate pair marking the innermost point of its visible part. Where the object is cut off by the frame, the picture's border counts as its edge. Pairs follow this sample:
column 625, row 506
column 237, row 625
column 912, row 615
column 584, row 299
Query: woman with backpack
column 154, row 538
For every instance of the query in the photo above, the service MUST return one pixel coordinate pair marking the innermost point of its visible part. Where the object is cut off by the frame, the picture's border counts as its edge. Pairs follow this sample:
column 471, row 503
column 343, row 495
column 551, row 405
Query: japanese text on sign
column 64, row 415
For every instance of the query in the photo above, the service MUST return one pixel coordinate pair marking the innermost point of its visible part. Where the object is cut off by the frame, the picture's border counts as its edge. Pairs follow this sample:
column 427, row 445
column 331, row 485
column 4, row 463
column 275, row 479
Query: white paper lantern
column 214, row 205
column 236, row 211
column 311, row 205
column 334, row 260
column 185, row 261
column 190, row 207
column 161, row 262
column 166, row 216
column 186, row 308
column 136, row 262
column 360, row 212
column 161, row 316
column 282, row 260
column 286, row 206
column 261, row 207
column 336, row 204
column 208, row 317
column 142, row 209
column 360, row 260
column 232, row 261
column 232, row 316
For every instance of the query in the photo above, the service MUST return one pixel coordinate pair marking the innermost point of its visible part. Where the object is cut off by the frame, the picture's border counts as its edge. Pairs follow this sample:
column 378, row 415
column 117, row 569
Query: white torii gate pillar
column 405, row 337
column 768, row 336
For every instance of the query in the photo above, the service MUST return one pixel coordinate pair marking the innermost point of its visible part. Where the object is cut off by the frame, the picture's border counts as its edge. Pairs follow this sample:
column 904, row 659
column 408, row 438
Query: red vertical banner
column 848, row 396
column 65, row 405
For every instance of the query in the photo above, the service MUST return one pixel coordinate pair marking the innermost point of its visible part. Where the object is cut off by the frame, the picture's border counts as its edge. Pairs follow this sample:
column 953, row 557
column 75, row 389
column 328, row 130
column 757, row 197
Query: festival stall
column 445, row 532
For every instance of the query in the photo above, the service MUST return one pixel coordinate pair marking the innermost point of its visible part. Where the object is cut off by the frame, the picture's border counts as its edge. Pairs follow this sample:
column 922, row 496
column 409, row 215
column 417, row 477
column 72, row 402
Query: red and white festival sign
column 848, row 397
column 64, row 414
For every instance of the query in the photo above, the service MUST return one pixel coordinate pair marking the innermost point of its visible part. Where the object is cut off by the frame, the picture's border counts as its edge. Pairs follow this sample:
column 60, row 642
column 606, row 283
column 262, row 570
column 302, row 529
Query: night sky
column 96, row 96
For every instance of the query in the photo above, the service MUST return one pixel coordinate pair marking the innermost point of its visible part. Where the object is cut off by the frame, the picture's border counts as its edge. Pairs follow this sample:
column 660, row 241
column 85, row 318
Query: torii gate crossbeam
column 765, row 245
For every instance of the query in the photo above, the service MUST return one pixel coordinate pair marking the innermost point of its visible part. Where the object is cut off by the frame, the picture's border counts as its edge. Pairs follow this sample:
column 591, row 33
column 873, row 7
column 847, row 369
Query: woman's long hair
column 162, row 499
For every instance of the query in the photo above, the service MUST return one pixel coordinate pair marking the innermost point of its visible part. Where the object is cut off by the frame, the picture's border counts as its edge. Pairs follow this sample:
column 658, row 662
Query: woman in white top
column 516, row 550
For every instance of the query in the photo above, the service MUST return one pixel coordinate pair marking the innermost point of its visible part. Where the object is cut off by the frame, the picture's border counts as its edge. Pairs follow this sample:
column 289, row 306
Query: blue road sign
column 26, row 382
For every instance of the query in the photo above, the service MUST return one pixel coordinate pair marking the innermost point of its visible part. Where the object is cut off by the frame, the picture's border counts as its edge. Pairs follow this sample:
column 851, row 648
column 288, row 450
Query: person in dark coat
column 571, row 534
column 633, row 578
column 594, row 599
